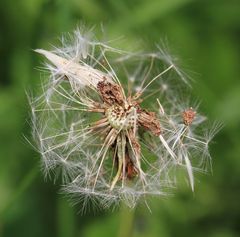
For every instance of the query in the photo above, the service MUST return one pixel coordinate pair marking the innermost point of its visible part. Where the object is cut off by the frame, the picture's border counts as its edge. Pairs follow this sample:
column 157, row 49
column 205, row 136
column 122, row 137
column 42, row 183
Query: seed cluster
column 123, row 117
column 120, row 118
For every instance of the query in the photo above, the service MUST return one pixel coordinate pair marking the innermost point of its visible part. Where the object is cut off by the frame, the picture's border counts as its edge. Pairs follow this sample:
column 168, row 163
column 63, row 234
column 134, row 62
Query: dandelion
column 111, row 142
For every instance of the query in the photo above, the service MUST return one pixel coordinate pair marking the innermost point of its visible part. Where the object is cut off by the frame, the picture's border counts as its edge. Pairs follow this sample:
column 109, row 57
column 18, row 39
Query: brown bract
column 149, row 121
column 110, row 93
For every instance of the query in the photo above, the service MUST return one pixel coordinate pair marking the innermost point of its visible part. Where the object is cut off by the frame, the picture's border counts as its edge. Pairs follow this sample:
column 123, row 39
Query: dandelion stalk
column 126, row 222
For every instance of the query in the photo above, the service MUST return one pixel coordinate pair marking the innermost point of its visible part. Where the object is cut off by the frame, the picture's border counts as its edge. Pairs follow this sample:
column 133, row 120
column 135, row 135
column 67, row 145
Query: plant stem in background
column 126, row 226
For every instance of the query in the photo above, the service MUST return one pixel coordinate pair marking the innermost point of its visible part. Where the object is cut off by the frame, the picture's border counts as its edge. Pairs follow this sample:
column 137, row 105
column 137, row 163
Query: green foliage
column 206, row 36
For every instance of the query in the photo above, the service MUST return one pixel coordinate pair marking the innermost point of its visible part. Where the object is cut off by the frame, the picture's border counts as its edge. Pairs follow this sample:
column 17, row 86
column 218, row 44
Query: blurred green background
column 206, row 36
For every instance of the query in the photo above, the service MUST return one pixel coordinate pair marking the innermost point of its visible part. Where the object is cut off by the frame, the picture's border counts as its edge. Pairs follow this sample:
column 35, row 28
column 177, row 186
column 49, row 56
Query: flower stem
column 126, row 227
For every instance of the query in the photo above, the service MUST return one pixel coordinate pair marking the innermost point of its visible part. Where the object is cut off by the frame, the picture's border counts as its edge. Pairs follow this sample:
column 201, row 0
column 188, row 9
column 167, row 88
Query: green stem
column 65, row 219
column 126, row 222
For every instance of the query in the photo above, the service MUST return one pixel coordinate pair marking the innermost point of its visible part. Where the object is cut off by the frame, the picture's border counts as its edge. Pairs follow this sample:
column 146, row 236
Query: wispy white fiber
column 75, row 135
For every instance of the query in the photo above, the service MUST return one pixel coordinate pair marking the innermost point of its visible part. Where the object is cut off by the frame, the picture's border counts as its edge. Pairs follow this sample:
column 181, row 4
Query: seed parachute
column 111, row 125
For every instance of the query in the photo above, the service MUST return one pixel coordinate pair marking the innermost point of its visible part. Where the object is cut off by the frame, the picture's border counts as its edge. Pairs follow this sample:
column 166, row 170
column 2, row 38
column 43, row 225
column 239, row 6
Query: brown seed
column 188, row 116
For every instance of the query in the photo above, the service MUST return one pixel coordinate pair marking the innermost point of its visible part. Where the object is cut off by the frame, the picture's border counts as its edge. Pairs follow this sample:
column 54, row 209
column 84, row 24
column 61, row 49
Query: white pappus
column 109, row 123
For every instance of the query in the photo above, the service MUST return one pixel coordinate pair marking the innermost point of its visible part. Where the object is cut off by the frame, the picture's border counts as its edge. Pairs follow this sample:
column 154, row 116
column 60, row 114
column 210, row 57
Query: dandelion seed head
column 110, row 140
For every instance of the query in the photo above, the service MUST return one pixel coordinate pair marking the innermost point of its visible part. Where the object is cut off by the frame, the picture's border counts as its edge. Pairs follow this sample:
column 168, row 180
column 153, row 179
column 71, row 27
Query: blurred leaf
column 228, row 106
column 24, row 184
column 148, row 11
column 91, row 9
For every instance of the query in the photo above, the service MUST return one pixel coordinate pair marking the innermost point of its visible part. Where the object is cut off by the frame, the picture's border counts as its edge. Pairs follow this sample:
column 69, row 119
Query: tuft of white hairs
column 71, row 151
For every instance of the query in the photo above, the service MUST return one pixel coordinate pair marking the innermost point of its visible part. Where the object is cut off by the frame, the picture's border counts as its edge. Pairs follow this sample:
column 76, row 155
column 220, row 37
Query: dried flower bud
column 188, row 116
